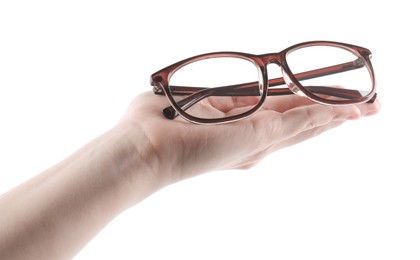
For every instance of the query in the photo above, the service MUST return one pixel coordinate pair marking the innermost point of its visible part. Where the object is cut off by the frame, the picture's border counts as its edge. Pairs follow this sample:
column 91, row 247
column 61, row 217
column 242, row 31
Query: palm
column 192, row 149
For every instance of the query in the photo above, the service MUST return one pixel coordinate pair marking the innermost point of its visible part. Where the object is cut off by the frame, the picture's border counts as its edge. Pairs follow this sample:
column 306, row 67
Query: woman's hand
column 180, row 149
column 54, row 214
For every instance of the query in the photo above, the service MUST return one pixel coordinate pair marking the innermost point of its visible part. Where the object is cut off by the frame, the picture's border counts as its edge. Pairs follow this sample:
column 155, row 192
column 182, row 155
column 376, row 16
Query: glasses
column 223, row 87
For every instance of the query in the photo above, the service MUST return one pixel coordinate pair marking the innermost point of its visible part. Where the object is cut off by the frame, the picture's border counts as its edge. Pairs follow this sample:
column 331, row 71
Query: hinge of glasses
column 359, row 63
column 158, row 90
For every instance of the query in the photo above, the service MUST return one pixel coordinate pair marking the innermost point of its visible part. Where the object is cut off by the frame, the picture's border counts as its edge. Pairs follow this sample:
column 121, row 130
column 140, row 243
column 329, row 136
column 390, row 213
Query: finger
column 303, row 136
column 294, row 126
column 368, row 109
column 254, row 158
column 301, row 119
column 284, row 103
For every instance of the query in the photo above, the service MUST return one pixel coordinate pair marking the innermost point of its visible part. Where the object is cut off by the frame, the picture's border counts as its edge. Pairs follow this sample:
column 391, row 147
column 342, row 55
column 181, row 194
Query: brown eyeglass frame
column 160, row 82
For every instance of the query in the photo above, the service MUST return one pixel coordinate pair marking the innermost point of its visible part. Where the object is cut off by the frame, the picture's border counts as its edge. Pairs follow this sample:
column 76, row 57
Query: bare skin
column 57, row 212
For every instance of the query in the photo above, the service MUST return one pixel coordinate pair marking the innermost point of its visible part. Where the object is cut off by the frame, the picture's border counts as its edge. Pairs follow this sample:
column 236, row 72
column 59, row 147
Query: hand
column 141, row 154
column 181, row 149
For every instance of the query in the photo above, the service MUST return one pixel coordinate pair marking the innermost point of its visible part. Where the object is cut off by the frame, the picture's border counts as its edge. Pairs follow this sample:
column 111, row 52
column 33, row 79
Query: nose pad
column 261, row 88
column 292, row 86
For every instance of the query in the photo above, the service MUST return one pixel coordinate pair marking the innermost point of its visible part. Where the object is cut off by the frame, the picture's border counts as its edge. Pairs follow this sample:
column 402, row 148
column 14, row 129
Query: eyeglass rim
column 360, row 52
column 160, row 79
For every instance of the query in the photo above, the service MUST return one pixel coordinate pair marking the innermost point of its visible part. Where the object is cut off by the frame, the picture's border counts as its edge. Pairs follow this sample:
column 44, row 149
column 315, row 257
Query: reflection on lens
column 341, row 74
column 217, row 87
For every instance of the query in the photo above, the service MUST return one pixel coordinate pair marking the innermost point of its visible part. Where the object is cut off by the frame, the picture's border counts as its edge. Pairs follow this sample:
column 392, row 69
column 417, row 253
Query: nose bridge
column 276, row 58
column 274, row 69
column 272, row 58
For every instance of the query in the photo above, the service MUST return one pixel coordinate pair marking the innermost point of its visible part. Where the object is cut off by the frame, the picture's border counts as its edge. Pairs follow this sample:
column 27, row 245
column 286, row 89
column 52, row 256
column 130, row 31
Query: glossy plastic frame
column 160, row 82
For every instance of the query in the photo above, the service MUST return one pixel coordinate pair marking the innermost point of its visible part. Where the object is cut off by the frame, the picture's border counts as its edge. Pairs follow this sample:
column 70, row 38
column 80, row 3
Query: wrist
column 135, row 161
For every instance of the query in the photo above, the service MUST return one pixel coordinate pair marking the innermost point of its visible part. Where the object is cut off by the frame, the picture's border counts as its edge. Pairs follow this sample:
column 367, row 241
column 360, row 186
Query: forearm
column 53, row 215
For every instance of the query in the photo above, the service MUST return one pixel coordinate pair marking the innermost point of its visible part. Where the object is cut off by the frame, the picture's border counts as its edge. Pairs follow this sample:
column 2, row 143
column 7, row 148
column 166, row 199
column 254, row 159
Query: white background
column 68, row 70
